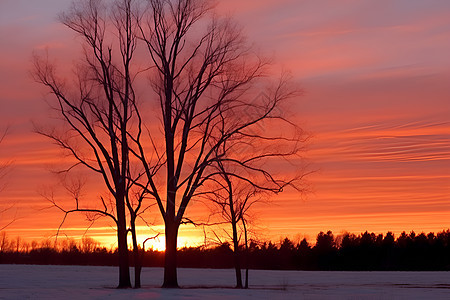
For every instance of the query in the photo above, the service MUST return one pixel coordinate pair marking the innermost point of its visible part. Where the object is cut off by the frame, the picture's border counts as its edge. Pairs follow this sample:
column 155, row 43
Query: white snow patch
column 85, row 282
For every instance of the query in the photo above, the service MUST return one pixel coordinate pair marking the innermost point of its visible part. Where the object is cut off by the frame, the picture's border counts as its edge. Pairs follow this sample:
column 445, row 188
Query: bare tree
column 4, row 169
column 234, row 194
column 3, row 165
column 99, row 110
column 234, row 200
column 4, row 242
column 207, row 80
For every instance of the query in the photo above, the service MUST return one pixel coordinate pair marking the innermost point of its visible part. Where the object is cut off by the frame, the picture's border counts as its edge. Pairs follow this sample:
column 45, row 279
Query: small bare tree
column 235, row 193
column 3, row 165
column 234, row 200
column 4, row 168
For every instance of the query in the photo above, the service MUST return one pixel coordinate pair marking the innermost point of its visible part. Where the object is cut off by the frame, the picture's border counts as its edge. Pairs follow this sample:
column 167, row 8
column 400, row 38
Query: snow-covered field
column 75, row 282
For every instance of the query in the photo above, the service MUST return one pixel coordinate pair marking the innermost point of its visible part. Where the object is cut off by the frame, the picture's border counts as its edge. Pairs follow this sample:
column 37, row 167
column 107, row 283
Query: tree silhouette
column 100, row 112
column 4, row 168
column 326, row 249
column 430, row 252
column 234, row 200
column 215, row 102
column 207, row 80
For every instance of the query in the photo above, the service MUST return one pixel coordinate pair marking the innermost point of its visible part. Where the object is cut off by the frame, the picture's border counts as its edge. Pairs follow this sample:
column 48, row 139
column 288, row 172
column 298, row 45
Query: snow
column 82, row 282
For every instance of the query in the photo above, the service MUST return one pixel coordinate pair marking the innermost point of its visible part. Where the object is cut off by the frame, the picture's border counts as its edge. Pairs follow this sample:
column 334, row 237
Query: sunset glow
column 375, row 77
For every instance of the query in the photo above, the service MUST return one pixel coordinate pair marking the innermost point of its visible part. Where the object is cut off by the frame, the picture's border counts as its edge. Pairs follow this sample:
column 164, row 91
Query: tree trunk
column 246, row 254
column 170, row 257
column 237, row 258
column 124, row 269
column 236, row 254
column 137, row 258
column 246, row 278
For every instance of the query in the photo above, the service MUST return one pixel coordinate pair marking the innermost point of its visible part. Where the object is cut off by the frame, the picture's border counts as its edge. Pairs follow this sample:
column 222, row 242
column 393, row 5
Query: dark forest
column 348, row 252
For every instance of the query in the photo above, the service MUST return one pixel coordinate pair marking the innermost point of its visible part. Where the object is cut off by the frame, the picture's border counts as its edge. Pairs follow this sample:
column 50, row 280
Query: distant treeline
column 364, row 252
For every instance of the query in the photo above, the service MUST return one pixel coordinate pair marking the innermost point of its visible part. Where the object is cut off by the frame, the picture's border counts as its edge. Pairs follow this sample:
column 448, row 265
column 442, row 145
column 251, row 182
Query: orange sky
column 376, row 82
